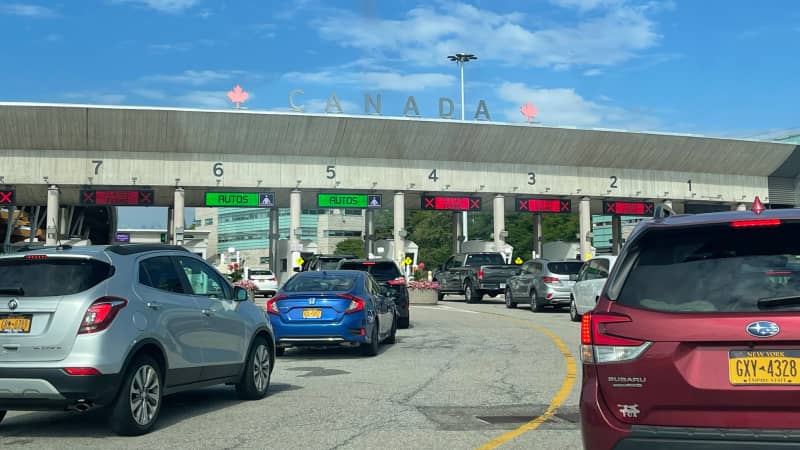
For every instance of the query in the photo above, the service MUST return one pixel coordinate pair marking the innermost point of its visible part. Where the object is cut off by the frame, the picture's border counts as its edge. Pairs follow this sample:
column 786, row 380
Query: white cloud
column 427, row 34
column 565, row 107
column 151, row 94
column 26, row 10
column 166, row 6
column 96, row 97
column 197, row 77
column 388, row 81
column 205, row 99
column 593, row 72
column 177, row 47
column 585, row 5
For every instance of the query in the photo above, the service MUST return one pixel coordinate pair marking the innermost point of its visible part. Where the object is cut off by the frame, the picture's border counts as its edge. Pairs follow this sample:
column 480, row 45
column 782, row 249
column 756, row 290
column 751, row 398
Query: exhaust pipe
column 82, row 406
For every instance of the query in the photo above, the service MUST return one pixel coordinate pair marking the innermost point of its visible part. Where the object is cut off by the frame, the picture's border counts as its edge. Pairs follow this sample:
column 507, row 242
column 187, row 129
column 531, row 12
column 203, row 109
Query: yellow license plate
column 764, row 367
column 15, row 324
column 312, row 313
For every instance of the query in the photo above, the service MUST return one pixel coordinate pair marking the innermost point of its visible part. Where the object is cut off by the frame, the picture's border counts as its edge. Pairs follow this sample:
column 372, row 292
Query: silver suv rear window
column 51, row 277
column 564, row 267
column 715, row 268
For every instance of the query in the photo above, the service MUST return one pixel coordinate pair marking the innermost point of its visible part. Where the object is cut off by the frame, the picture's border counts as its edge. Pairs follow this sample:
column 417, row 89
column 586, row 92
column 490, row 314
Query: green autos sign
column 240, row 199
column 348, row 201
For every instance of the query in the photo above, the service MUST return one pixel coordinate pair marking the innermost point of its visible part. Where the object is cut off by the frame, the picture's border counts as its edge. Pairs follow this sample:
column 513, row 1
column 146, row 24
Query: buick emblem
column 312, row 301
column 13, row 304
column 763, row 329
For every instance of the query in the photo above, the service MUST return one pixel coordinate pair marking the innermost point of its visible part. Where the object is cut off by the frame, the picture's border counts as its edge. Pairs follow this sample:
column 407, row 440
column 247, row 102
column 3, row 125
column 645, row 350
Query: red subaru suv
column 695, row 340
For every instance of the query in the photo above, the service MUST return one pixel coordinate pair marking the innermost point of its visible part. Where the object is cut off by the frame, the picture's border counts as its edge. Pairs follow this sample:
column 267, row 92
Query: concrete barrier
column 423, row 296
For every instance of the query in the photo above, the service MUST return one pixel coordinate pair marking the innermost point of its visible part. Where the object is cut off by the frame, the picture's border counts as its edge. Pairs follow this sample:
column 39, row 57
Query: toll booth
column 384, row 249
column 283, row 267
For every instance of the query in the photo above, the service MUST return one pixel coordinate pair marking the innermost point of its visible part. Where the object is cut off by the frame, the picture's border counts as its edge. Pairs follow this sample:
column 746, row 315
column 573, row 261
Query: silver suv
column 120, row 327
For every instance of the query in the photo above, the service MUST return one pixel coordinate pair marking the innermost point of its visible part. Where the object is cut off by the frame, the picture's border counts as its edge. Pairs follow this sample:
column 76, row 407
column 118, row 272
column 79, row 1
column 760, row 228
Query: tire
column 371, row 348
column 509, row 299
column 403, row 322
column 535, row 306
column 143, row 376
column 280, row 351
column 440, row 296
column 257, row 371
column 393, row 334
column 470, row 295
column 573, row 311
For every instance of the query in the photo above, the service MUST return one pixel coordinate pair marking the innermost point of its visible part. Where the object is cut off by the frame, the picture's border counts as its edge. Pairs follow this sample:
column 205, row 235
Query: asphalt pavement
column 463, row 376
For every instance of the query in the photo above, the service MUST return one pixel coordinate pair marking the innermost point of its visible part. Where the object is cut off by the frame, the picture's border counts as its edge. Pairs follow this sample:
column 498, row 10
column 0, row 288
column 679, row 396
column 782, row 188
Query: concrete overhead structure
column 79, row 146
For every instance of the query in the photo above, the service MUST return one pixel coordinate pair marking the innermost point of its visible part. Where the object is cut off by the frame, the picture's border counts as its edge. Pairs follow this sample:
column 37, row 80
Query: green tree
column 353, row 246
column 431, row 231
column 560, row 227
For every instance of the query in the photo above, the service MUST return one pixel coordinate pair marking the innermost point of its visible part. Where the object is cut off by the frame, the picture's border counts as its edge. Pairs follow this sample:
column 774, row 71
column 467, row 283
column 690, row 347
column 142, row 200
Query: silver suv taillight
column 100, row 315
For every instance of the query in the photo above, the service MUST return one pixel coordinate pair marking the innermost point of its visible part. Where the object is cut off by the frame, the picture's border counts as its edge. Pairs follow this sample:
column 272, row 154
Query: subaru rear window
column 300, row 283
column 564, row 267
column 714, row 269
column 381, row 271
column 51, row 277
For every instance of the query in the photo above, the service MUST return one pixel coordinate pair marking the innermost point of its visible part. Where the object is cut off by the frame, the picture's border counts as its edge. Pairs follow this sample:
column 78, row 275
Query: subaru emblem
column 763, row 329
column 312, row 301
column 13, row 304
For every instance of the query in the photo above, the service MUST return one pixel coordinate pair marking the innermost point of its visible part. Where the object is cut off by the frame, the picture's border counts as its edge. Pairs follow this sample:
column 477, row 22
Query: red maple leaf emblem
column 238, row 95
column 529, row 111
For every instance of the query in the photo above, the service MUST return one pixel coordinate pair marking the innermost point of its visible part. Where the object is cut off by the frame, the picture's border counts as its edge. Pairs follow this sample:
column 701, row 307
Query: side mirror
column 240, row 294
column 296, row 269
column 573, row 277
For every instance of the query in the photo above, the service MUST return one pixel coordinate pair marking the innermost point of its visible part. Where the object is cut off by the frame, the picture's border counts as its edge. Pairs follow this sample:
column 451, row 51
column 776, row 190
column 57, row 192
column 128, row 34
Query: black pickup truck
column 474, row 275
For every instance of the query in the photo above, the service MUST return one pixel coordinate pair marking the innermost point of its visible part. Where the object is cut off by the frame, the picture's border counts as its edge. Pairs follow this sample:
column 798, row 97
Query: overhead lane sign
column 628, row 208
column 543, row 205
column 240, row 199
column 440, row 203
column 355, row 201
column 133, row 197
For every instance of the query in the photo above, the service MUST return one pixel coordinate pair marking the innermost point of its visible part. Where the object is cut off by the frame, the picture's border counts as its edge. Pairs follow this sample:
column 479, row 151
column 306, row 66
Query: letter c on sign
column 292, row 106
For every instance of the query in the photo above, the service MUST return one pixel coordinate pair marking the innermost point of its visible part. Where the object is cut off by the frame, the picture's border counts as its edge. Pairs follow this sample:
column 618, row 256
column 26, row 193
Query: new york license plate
column 312, row 313
column 15, row 324
column 764, row 367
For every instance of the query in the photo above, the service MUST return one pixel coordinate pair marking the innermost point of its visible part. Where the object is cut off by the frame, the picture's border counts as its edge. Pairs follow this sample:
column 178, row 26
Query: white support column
column 457, row 233
column 399, row 225
column 537, row 235
column 51, row 223
column 585, row 226
column 499, row 209
column 295, row 209
column 369, row 231
column 616, row 234
column 179, row 211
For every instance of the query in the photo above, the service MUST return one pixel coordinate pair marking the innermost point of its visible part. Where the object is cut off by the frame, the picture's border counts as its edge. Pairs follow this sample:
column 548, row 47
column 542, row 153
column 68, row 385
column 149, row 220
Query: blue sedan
column 341, row 307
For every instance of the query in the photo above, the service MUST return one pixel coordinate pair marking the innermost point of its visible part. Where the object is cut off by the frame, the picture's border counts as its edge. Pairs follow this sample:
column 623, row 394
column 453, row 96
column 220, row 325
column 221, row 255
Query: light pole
column 461, row 59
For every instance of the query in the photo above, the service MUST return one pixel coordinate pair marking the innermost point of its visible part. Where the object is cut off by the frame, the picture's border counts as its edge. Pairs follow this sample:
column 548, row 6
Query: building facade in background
column 246, row 230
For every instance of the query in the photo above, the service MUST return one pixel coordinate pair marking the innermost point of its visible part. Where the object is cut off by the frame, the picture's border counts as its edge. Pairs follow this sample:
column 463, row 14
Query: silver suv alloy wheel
column 261, row 368
column 145, row 395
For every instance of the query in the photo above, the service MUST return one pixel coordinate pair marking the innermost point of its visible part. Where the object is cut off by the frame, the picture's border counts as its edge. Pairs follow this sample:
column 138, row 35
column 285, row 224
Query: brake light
column 100, row 314
column 598, row 347
column 397, row 281
column 35, row 256
column 272, row 304
column 756, row 223
column 480, row 274
column 356, row 304
column 369, row 263
column 81, row 371
column 550, row 279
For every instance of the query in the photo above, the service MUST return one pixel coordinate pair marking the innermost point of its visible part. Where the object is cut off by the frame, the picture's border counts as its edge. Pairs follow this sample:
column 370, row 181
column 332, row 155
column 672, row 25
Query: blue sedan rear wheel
column 371, row 348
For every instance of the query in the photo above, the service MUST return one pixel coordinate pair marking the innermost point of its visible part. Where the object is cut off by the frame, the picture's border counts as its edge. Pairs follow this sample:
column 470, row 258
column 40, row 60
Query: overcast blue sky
column 711, row 67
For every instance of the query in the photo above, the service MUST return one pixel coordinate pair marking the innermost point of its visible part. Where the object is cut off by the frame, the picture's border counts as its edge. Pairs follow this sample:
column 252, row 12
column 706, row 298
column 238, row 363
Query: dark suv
column 695, row 339
column 389, row 275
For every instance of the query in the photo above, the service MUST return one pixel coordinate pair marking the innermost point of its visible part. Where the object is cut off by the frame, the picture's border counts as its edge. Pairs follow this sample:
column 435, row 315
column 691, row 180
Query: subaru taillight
column 272, row 304
column 550, row 279
column 100, row 314
column 480, row 274
column 599, row 347
column 397, row 281
column 356, row 304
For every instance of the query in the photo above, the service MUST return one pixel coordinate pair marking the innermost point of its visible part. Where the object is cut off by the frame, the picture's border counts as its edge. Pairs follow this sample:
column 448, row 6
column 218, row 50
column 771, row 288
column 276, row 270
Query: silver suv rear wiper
column 12, row 291
column 773, row 302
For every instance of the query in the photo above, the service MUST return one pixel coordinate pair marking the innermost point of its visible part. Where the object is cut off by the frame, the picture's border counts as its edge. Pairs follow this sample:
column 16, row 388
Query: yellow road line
column 558, row 400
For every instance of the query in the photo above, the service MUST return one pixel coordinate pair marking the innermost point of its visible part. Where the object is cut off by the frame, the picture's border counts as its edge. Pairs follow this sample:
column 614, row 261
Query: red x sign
column 523, row 205
column 475, row 203
column 429, row 203
column 145, row 197
column 7, row 198
column 566, row 206
column 88, row 197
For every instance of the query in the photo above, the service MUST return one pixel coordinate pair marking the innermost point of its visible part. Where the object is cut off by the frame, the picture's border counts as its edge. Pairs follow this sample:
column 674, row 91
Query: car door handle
column 154, row 305
column 209, row 311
